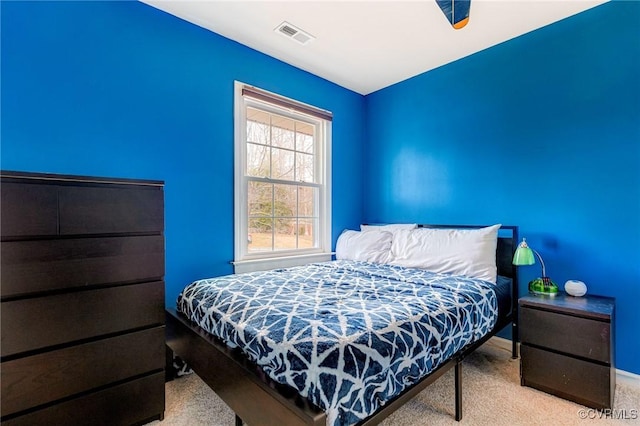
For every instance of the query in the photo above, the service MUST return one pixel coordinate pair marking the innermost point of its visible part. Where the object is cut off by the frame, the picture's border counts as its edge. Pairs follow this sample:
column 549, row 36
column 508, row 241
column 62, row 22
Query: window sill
column 253, row 265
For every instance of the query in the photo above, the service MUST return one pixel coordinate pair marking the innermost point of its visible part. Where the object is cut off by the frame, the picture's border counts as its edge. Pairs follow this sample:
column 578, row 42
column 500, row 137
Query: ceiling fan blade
column 456, row 11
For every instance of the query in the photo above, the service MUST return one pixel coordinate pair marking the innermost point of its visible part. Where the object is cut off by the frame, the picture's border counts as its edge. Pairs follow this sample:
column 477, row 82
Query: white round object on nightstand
column 575, row 288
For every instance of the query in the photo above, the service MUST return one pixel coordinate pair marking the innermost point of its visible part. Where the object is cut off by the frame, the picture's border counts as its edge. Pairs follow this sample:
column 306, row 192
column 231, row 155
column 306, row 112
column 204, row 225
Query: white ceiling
column 366, row 45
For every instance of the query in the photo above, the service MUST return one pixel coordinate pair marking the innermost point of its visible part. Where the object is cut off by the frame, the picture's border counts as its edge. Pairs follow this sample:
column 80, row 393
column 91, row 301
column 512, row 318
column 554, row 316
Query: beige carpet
column 492, row 395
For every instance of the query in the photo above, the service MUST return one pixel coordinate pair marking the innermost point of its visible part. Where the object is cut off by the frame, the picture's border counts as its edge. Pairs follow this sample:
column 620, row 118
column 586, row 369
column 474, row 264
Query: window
column 282, row 181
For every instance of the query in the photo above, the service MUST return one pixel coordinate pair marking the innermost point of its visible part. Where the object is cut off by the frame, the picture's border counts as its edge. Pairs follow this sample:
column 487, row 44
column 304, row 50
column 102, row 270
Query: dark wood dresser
column 82, row 300
column 567, row 347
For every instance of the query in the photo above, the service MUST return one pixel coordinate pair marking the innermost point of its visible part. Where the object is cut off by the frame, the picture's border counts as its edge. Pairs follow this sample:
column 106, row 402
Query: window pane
column 306, row 232
column 260, row 237
column 260, row 198
column 258, row 123
column 285, row 200
column 282, row 132
column 258, row 160
column 304, row 137
column 285, row 235
column 304, row 168
column 307, row 201
column 282, row 166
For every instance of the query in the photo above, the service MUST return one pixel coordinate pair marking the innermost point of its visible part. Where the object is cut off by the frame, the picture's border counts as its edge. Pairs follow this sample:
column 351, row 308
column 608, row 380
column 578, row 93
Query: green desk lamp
column 543, row 285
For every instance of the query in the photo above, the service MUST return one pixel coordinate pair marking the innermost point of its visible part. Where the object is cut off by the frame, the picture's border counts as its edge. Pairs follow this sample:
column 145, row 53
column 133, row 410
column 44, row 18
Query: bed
column 382, row 329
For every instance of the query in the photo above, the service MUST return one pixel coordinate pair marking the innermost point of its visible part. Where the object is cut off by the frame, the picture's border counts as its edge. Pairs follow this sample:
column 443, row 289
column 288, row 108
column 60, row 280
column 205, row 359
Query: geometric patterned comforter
column 347, row 335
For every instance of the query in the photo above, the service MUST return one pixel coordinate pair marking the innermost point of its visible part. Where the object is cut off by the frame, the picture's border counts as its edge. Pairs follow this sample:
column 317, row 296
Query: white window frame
column 245, row 261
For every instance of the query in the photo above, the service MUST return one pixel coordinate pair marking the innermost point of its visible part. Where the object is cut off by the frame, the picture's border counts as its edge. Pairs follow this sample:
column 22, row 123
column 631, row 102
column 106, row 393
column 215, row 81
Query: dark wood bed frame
column 258, row 400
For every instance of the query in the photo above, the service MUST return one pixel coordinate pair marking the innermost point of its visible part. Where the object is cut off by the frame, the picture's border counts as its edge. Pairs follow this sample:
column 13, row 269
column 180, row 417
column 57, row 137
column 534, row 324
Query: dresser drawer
column 581, row 381
column 40, row 209
column 37, row 266
column 28, row 210
column 50, row 376
column 110, row 210
column 40, row 322
column 583, row 337
column 133, row 402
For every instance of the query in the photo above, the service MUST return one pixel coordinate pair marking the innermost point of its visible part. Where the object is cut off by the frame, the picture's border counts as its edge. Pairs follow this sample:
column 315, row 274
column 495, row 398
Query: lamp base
column 543, row 287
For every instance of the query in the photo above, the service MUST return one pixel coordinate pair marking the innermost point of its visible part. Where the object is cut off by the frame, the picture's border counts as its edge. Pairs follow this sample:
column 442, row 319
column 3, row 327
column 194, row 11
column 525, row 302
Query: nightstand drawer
column 583, row 337
column 581, row 381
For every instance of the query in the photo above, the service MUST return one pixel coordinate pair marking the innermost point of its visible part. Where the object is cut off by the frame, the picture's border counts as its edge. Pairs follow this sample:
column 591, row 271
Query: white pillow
column 373, row 246
column 391, row 227
column 469, row 252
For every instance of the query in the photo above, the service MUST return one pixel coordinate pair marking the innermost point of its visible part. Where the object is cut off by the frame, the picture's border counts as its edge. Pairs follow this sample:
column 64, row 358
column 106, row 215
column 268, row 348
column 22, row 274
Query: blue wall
column 542, row 131
column 122, row 89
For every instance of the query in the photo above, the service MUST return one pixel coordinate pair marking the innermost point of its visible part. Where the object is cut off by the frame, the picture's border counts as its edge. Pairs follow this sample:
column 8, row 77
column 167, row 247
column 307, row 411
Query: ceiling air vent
column 293, row 32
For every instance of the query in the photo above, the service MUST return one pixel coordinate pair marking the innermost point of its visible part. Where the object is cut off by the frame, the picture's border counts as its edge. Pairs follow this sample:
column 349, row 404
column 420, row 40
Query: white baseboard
column 630, row 379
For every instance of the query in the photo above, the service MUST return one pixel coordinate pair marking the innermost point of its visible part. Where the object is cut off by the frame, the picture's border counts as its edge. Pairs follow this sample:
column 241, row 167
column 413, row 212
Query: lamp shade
column 523, row 255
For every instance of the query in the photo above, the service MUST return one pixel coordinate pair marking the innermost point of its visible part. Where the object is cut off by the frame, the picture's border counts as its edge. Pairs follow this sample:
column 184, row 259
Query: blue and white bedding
column 347, row 335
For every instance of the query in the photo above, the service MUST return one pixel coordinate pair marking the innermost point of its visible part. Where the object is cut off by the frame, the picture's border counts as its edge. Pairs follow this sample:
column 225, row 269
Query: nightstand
column 567, row 347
